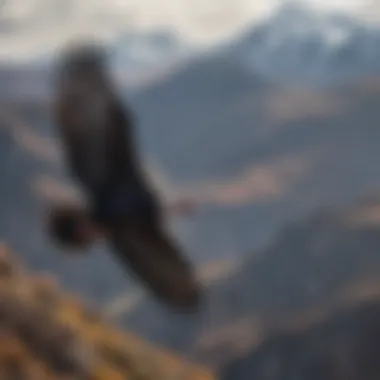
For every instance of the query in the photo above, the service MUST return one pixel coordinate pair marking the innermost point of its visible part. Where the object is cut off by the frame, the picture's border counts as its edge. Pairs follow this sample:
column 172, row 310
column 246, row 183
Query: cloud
column 38, row 25
column 30, row 27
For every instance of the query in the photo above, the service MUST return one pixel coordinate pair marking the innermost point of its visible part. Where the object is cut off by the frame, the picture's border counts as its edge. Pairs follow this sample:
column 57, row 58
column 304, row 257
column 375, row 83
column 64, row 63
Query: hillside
column 308, row 302
column 341, row 346
column 47, row 334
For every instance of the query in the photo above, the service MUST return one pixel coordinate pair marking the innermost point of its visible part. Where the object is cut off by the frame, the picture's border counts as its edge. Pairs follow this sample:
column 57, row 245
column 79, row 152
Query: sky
column 32, row 27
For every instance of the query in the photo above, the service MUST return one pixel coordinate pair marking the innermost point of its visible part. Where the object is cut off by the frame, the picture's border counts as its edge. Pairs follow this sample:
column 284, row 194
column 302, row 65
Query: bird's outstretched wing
column 154, row 259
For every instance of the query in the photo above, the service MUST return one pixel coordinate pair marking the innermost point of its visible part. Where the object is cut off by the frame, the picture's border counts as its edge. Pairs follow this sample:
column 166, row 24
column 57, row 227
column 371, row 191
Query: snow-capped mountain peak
column 299, row 42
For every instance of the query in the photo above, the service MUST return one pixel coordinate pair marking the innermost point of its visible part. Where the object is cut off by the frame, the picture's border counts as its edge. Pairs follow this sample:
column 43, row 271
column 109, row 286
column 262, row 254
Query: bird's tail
column 155, row 260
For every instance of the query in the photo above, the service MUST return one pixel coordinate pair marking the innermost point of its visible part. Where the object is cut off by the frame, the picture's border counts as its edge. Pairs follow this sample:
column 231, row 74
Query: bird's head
column 71, row 227
column 81, row 61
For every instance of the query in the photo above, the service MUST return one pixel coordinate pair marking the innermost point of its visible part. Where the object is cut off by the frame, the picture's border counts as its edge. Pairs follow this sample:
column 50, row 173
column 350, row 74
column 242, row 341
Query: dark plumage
column 97, row 135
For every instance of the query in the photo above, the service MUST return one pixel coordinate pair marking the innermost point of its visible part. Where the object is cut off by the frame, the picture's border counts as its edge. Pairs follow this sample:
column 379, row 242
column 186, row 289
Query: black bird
column 98, row 142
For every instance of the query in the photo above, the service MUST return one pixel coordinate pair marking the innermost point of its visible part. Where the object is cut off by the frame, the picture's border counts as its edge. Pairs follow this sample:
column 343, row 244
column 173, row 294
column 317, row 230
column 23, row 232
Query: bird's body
column 101, row 154
column 97, row 135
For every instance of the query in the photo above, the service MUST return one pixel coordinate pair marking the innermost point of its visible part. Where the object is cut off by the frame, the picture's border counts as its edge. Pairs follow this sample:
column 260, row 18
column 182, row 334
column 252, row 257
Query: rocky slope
column 47, row 334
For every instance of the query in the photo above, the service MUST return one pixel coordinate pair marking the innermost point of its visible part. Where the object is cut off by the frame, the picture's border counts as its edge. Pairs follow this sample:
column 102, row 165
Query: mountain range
column 278, row 169
column 295, row 43
column 298, row 43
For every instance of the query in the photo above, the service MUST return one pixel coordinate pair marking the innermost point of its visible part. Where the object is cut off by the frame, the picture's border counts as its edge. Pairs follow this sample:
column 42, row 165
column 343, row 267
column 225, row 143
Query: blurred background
column 268, row 113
